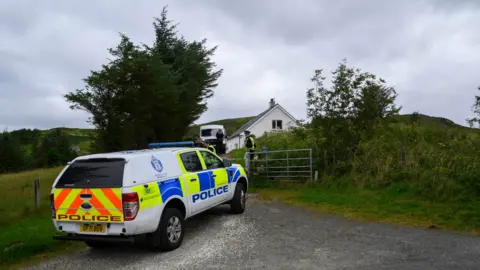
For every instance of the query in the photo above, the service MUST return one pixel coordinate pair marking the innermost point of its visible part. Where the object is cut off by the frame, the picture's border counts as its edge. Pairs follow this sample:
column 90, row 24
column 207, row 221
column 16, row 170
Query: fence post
column 288, row 168
column 404, row 157
column 311, row 167
column 266, row 163
column 246, row 157
column 36, row 190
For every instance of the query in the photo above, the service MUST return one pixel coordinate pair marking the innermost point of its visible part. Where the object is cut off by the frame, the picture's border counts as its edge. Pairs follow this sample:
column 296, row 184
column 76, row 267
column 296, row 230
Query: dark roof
column 251, row 121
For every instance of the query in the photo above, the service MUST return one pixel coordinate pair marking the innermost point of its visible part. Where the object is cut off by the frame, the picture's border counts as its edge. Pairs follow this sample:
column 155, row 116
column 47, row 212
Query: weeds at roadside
column 26, row 231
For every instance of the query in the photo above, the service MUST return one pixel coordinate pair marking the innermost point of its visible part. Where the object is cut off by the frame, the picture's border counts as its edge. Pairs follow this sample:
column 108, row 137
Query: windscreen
column 209, row 132
column 93, row 173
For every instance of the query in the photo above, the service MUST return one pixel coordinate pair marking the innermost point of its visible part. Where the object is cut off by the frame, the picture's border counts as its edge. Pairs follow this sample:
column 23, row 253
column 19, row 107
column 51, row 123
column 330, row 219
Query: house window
column 276, row 124
column 236, row 145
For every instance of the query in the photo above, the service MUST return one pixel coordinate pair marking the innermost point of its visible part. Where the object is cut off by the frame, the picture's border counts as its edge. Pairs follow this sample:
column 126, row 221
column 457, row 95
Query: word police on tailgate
column 89, row 218
column 209, row 193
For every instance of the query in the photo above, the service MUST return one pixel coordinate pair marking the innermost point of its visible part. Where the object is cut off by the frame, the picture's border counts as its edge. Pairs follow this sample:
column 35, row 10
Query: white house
column 275, row 118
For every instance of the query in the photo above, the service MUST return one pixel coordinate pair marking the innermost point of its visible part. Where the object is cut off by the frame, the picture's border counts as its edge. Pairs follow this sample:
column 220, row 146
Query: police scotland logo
column 157, row 166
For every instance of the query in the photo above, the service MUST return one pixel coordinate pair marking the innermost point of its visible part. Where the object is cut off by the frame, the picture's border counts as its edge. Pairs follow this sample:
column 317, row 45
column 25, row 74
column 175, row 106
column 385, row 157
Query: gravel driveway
column 275, row 236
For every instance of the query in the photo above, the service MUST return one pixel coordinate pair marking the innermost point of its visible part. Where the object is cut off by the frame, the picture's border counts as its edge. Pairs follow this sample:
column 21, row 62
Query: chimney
column 272, row 103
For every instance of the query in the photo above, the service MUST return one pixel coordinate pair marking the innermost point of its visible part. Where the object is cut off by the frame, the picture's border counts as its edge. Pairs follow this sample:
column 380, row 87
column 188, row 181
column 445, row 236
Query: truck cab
column 208, row 133
column 117, row 197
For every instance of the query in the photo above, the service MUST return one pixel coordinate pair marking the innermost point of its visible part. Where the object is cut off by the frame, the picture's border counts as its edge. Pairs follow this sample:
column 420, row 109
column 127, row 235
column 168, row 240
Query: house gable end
column 250, row 123
column 272, row 110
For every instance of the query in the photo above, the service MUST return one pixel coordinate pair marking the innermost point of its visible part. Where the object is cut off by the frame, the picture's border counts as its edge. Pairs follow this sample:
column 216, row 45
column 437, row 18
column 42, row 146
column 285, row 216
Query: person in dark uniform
column 250, row 143
column 197, row 142
column 219, row 142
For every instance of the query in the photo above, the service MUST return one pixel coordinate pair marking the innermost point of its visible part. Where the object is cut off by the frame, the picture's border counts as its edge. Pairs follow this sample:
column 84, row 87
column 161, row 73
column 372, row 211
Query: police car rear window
column 93, row 173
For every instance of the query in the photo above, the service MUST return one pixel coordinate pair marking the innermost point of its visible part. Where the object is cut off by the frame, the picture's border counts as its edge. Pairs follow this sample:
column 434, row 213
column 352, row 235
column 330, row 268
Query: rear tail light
column 131, row 205
column 52, row 205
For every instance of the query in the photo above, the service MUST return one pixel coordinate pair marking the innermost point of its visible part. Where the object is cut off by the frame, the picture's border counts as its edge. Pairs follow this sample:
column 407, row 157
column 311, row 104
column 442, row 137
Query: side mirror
column 227, row 163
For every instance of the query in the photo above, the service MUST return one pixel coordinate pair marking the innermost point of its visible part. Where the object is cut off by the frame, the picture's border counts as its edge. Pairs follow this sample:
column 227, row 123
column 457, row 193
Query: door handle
column 193, row 179
column 214, row 175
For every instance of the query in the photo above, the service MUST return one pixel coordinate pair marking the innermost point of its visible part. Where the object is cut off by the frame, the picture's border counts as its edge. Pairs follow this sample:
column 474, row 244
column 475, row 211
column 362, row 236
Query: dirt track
column 275, row 236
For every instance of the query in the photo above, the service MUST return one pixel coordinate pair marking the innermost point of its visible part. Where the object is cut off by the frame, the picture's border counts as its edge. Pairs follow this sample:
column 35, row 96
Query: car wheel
column 170, row 231
column 237, row 206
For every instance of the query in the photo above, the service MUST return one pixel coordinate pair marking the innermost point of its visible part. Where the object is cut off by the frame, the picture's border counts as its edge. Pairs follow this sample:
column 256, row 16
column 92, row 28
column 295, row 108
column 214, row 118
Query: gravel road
column 274, row 236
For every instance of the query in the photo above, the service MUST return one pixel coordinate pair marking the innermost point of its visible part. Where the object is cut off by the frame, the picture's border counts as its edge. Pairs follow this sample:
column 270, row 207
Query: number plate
column 93, row 228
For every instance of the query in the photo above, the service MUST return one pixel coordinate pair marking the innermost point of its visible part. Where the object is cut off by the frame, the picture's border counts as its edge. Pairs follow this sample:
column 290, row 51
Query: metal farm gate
column 294, row 165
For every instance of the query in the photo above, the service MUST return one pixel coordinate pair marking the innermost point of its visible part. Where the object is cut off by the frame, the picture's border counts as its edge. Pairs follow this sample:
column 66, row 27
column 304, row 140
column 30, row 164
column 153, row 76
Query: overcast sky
column 429, row 50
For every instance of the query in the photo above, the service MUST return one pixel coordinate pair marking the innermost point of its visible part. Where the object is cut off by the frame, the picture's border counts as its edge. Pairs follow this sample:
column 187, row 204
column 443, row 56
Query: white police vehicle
column 116, row 197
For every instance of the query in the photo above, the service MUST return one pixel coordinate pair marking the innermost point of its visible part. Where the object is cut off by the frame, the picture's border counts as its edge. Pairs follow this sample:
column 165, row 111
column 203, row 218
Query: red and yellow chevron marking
column 106, row 204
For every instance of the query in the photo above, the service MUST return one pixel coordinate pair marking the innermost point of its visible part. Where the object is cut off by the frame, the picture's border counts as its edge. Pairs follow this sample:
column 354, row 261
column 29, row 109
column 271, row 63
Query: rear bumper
column 101, row 238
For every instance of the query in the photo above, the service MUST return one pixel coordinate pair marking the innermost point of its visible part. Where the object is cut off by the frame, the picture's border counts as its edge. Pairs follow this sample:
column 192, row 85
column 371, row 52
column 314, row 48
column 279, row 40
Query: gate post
column 288, row 168
column 246, row 157
column 311, row 165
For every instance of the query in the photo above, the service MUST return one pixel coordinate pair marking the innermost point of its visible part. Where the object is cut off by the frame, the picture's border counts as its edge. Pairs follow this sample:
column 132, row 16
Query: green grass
column 387, row 206
column 24, row 230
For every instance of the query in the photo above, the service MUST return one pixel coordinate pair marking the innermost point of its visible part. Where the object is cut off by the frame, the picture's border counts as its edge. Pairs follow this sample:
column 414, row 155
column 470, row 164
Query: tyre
column 170, row 231
column 97, row 244
column 237, row 206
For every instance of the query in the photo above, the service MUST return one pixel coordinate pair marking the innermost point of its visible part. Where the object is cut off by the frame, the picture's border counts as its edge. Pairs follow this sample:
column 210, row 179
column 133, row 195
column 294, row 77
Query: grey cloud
column 429, row 50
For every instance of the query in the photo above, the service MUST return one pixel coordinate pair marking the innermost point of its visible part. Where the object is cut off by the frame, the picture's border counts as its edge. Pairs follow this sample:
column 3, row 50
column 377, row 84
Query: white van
column 208, row 134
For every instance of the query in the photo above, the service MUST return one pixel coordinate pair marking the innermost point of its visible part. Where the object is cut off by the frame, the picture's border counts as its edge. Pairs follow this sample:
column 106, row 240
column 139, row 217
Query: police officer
column 249, row 142
column 219, row 142
column 197, row 142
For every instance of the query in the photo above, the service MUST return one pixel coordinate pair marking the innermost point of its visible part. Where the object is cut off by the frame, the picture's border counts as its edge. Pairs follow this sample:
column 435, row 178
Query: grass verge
column 380, row 206
column 26, row 231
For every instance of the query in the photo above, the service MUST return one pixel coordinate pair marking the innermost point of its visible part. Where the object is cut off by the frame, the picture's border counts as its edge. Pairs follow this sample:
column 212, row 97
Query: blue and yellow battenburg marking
column 209, row 193
column 208, row 186
column 234, row 174
column 156, row 193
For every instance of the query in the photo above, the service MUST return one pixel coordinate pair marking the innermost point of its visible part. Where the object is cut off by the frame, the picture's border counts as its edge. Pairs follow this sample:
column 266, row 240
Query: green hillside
column 83, row 137
column 423, row 119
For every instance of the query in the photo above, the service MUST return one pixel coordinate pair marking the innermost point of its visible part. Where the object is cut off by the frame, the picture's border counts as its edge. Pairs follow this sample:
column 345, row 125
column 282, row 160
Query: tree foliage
column 11, row 157
column 148, row 93
column 53, row 149
column 347, row 111
column 30, row 149
column 476, row 111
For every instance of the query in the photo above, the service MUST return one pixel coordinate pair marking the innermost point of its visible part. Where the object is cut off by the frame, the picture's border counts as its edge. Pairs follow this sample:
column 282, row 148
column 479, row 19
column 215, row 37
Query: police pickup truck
column 116, row 197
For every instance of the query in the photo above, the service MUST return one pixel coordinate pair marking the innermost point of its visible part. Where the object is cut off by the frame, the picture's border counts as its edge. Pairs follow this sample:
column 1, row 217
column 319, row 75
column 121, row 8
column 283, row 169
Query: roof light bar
column 170, row 144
